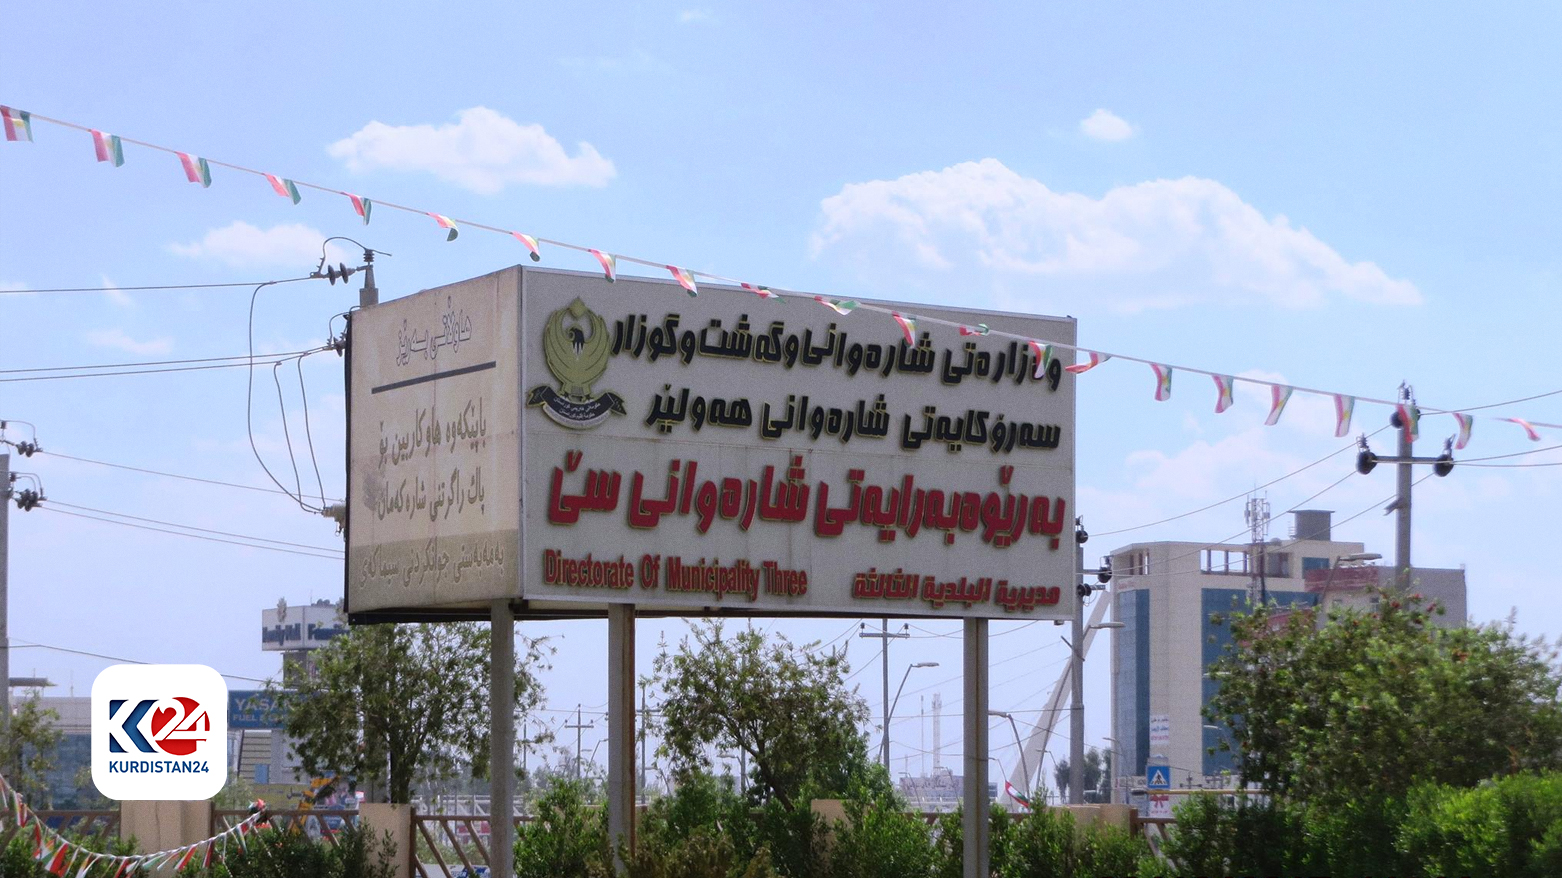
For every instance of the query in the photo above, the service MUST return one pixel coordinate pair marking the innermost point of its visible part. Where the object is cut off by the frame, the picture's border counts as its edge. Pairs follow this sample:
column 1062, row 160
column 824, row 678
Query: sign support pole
column 621, row 729
column 501, row 760
column 977, row 854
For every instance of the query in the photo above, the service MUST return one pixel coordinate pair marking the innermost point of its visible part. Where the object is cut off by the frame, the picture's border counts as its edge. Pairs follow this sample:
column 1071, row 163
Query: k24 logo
column 174, row 726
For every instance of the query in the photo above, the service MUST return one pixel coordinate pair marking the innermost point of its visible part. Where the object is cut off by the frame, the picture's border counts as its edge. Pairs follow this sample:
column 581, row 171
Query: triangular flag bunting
column 108, row 147
column 684, row 279
column 123, row 862
column 1409, row 419
column 87, row 864
column 206, row 859
column 978, row 329
column 1344, row 407
column 1279, row 395
column 531, row 244
column 609, row 264
column 908, row 326
column 1528, row 429
column 1163, row 377
column 1095, row 360
column 189, row 854
column 284, row 187
column 18, row 124
column 57, row 862
column 839, row 306
column 1466, row 424
column 196, row 169
column 1223, row 399
column 362, row 206
column 1042, row 354
column 447, row 224
column 762, row 292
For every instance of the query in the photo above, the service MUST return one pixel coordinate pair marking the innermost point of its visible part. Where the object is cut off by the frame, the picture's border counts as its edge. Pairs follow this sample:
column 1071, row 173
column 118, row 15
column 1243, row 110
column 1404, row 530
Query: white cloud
column 242, row 245
column 118, row 340
column 1156, row 244
column 1106, row 125
column 115, row 295
column 483, row 151
column 692, row 16
column 12, row 286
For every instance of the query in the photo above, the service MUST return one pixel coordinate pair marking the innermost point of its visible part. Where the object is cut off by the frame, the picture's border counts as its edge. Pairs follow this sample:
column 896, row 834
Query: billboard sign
column 569, row 442
column 308, row 627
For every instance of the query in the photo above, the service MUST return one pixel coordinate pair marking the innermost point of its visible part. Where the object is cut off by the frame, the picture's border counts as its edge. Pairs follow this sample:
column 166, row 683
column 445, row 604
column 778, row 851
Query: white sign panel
column 1160, row 732
column 730, row 453
column 433, row 493
column 308, row 627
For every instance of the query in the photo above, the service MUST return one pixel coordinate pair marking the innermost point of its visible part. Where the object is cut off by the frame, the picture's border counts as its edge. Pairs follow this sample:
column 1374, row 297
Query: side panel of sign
column 740, row 453
column 434, row 483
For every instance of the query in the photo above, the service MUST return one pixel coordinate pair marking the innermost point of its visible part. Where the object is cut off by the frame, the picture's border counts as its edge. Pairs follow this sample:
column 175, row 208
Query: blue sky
column 1335, row 196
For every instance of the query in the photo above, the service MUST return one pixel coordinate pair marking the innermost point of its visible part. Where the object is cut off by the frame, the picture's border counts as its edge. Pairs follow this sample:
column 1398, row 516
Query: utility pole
column 645, row 724
column 1405, row 419
column 1076, row 711
column 5, row 632
column 885, row 635
column 579, row 728
column 1257, row 515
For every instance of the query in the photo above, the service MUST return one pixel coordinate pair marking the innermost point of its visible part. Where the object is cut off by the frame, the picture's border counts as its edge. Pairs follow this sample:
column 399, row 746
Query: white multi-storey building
column 1170, row 597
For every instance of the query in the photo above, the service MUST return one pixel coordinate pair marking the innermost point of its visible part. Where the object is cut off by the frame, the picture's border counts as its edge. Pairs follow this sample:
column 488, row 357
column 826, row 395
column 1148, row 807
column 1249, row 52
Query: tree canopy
column 390, row 703
column 785, row 706
column 1372, row 703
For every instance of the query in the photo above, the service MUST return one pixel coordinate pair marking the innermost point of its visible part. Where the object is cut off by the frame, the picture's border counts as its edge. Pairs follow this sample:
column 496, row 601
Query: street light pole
column 884, row 636
column 891, row 711
column 1018, row 743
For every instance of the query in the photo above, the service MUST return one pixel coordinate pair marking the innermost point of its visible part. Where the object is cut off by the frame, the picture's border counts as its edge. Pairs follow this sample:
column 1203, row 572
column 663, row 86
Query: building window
column 1277, row 564
column 1225, row 562
column 1132, row 563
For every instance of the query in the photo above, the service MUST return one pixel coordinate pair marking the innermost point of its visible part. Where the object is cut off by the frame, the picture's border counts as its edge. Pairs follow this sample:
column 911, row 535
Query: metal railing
column 96, row 825
column 449, row 840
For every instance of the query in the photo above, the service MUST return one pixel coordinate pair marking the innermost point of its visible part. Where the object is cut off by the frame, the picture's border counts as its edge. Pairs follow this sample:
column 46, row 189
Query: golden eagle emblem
column 576, row 348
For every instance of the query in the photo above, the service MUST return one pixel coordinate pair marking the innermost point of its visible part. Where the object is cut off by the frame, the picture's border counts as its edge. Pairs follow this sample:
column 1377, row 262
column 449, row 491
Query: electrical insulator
column 1444, row 464
column 1365, row 461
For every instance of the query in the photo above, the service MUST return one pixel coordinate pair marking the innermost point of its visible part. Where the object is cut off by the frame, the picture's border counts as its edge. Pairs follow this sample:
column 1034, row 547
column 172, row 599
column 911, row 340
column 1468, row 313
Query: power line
column 49, row 507
column 239, row 357
column 222, row 533
column 28, row 644
column 153, row 472
column 263, row 360
column 142, row 288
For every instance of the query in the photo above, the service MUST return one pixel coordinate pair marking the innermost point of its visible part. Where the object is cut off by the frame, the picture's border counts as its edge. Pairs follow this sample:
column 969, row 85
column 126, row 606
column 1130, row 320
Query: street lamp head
column 1359, row 556
column 1104, row 625
column 925, row 665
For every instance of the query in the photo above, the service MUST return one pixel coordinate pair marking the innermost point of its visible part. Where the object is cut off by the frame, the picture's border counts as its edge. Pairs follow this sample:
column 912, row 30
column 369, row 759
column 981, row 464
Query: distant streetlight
column 1352, row 558
column 891, row 712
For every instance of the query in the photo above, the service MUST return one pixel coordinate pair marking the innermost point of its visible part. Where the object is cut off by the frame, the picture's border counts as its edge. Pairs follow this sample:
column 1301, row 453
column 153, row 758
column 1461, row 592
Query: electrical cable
column 263, row 359
column 287, row 434
column 238, row 357
column 148, row 287
column 153, row 472
column 303, row 395
column 221, row 533
column 249, row 404
column 28, row 644
column 48, row 507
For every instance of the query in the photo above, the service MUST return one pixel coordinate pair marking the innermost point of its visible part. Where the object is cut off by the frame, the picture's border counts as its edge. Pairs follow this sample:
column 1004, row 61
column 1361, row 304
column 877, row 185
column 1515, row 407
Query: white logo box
column 159, row 732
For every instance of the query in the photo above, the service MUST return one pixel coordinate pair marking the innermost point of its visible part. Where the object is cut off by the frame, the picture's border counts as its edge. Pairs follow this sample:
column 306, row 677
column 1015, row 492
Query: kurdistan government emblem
column 576, row 348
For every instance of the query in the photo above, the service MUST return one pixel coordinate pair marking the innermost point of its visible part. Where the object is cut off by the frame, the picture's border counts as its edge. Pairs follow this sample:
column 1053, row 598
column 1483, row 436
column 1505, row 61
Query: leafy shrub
column 16, row 856
column 568, row 837
column 880, row 840
column 288, row 853
column 1510, row 827
column 1048, row 842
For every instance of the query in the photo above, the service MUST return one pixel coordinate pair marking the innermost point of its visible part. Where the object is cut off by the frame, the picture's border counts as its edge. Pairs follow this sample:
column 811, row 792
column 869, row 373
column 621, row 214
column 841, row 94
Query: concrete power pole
column 885, row 635
column 5, row 632
column 1402, row 503
column 579, row 728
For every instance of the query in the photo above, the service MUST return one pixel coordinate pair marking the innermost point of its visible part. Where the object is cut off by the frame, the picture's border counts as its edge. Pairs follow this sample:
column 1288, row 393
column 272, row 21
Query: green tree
column 27, row 750
column 1372, row 703
column 1097, row 775
column 390, row 703
column 785, row 706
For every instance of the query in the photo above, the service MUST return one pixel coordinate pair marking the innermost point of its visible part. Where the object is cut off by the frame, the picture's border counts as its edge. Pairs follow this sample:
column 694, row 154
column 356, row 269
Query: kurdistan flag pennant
column 362, row 206
column 196, row 169
column 1279, row 395
column 108, row 147
column 1011, row 792
column 189, row 854
column 839, row 306
column 531, row 244
column 1042, row 354
column 448, row 225
column 206, row 859
column 1344, row 407
column 1163, row 377
column 18, row 124
column 684, row 279
column 908, row 326
column 1466, row 424
column 1529, row 429
column 1223, row 385
column 609, row 264
column 284, row 187
column 762, row 292
column 1409, row 419
column 1096, row 359
column 57, row 863
column 978, row 329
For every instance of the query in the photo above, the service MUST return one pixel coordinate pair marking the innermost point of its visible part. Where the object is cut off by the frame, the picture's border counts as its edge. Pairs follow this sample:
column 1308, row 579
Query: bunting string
column 18, row 126
column 61, row 855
